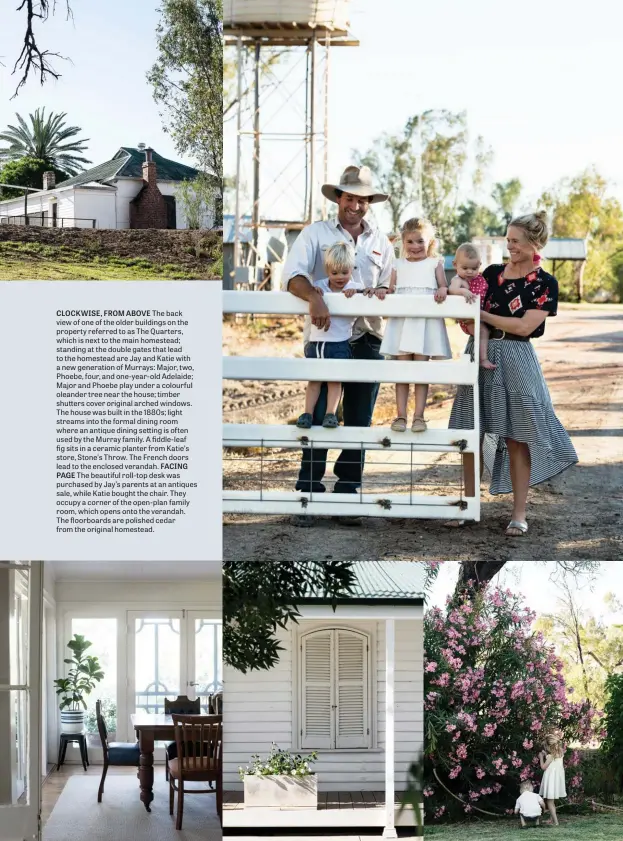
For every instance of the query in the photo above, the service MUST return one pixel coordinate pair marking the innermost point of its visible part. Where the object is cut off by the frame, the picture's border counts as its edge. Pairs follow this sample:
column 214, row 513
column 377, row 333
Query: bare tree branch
column 32, row 59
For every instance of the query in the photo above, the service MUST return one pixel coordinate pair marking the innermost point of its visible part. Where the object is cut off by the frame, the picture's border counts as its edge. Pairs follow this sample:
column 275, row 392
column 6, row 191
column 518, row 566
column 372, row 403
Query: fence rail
column 461, row 371
column 42, row 220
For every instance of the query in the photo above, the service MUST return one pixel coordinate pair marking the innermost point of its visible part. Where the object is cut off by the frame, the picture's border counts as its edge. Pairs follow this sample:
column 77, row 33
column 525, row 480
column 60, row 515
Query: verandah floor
column 336, row 810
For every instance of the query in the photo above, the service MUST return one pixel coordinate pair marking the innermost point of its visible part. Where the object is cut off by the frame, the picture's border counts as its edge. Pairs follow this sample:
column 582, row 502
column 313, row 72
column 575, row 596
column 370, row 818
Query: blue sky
column 536, row 582
column 539, row 82
column 103, row 89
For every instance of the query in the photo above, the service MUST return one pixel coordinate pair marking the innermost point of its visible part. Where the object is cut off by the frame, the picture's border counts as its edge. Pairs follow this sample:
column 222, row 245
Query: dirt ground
column 33, row 252
column 576, row 516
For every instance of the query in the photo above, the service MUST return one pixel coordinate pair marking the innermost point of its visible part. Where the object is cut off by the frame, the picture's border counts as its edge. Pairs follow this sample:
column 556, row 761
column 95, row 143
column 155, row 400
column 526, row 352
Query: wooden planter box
column 280, row 792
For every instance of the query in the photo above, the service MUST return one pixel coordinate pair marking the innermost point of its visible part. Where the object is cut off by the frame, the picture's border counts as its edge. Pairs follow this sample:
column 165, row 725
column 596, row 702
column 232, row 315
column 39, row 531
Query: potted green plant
column 85, row 673
column 282, row 781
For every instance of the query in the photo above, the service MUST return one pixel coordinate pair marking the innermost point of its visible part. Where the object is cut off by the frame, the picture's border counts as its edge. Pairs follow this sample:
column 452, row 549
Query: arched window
column 335, row 689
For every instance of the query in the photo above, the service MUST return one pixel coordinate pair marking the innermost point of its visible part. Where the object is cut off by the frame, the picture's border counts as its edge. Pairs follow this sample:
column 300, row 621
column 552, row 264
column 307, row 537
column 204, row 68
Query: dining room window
column 102, row 633
column 157, row 662
column 335, row 689
column 208, row 656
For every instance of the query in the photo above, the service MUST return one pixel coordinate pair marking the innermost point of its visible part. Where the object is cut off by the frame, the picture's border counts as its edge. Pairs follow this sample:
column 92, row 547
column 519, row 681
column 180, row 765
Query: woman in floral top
column 524, row 442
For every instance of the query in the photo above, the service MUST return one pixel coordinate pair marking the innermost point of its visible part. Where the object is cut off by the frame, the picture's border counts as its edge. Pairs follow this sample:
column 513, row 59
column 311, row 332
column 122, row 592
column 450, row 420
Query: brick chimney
column 149, row 168
column 148, row 208
column 49, row 180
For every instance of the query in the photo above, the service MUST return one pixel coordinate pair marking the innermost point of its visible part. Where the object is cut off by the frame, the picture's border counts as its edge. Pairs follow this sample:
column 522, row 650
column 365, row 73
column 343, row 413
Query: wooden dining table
column 150, row 728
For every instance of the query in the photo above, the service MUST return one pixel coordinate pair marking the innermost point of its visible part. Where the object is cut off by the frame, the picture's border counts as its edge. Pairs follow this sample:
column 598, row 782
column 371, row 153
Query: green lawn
column 37, row 261
column 572, row 828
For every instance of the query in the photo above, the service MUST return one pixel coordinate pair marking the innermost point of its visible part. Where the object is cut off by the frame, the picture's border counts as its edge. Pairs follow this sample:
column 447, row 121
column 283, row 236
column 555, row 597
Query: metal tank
column 326, row 14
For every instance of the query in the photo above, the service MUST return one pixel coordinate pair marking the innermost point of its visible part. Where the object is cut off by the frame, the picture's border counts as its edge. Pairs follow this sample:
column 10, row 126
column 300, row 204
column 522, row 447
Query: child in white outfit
column 553, row 782
column 418, row 272
column 529, row 805
column 333, row 343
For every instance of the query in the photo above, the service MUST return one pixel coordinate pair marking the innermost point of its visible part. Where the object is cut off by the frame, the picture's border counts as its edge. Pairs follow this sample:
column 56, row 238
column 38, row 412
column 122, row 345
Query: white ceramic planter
column 72, row 721
column 280, row 792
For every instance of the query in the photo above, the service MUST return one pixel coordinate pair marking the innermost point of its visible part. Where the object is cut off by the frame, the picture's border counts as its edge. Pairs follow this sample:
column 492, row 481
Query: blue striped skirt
column 514, row 403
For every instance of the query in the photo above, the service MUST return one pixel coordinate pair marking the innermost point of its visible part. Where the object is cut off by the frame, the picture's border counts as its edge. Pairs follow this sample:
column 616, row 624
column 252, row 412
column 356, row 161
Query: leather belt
column 497, row 334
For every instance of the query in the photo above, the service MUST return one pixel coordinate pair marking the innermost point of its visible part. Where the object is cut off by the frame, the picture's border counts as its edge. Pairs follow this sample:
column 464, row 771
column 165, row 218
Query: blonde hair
column 534, row 226
column 470, row 251
column 426, row 228
column 553, row 744
column 526, row 786
column 339, row 257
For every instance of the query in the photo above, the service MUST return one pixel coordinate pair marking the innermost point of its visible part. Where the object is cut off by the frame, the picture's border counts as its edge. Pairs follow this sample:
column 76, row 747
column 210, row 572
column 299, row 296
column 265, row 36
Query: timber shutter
column 335, row 690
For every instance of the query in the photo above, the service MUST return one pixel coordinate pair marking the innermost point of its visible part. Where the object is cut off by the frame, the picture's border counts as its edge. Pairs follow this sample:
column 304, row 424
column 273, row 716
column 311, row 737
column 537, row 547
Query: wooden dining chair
column 182, row 705
column 199, row 740
column 115, row 753
column 216, row 703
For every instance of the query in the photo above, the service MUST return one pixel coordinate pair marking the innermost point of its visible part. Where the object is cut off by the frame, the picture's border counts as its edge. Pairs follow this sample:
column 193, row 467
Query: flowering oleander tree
column 493, row 688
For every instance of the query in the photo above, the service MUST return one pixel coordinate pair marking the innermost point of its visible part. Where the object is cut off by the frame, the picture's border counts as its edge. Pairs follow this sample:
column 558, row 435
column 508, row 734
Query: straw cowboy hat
column 356, row 180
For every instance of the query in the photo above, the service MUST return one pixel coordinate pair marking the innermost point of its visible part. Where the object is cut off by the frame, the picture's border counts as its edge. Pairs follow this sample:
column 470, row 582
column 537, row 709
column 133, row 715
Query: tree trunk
column 480, row 572
column 578, row 643
column 579, row 279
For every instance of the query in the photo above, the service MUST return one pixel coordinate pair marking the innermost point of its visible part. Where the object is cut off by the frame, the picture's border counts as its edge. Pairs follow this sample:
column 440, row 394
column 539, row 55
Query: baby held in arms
column 469, row 283
column 333, row 343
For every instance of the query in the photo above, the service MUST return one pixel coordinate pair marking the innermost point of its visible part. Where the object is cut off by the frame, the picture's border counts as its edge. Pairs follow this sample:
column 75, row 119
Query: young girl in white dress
column 553, row 782
column 419, row 271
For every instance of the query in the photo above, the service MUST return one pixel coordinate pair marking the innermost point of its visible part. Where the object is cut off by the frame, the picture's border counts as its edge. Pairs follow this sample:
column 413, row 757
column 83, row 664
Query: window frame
column 369, row 631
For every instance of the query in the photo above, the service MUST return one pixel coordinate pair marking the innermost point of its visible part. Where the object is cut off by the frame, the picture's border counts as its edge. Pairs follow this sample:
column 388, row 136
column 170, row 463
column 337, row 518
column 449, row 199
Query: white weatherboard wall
column 261, row 707
column 96, row 203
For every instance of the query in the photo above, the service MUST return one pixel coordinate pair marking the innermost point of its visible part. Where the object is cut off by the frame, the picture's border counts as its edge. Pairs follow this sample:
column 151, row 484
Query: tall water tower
column 306, row 30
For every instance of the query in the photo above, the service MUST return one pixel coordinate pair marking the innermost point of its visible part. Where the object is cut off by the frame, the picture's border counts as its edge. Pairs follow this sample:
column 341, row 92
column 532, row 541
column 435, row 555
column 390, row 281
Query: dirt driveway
column 577, row 516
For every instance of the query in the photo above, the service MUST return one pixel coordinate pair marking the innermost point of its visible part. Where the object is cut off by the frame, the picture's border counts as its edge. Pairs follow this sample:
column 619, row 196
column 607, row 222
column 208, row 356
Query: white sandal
column 519, row 525
column 399, row 424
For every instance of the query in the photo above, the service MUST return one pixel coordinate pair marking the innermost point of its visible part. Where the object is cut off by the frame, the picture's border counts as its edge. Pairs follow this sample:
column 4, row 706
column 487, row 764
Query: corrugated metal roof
column 559, row 248
column 384, row 581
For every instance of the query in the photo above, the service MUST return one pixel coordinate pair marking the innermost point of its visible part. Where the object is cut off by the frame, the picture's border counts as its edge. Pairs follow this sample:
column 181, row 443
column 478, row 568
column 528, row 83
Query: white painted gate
column 461, row 371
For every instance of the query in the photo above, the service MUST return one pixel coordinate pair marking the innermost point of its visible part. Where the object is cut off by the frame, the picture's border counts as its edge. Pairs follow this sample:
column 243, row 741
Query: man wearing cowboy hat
column 374, row 258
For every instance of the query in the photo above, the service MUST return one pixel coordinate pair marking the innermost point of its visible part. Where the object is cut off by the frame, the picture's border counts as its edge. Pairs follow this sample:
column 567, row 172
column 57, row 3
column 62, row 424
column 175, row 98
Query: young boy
column 529, row 805
column 471, row 284
column 334, row 343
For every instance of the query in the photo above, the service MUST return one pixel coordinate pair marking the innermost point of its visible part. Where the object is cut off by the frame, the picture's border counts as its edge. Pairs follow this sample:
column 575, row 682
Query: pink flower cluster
column 493, row 688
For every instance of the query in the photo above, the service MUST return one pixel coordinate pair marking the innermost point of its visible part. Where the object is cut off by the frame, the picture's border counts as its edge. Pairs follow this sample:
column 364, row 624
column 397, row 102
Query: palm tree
column 48, row 139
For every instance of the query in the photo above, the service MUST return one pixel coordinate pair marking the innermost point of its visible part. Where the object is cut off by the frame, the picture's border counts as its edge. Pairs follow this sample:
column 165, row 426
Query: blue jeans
column 357, row 406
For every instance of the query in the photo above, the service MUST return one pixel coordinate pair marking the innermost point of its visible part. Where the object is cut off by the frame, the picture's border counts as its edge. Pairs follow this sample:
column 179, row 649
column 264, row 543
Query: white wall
column 95, row 204
column 112, row 210
column 261, row 707
column 171, row 188
column 127, row 188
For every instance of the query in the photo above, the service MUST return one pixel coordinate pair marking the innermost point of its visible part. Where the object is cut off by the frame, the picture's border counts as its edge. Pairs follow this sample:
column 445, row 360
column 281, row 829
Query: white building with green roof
column 136, row 188
column 349, row 685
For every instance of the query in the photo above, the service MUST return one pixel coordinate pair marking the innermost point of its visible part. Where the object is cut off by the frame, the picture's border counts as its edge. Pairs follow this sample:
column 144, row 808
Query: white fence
column 461, row 371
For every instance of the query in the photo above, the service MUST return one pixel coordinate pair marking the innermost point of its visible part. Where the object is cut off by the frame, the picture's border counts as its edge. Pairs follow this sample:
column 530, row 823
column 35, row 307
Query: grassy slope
column 592, row 828
column 37, row 261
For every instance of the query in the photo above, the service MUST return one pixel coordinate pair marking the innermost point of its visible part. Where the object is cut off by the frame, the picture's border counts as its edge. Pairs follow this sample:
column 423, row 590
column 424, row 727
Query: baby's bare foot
column 484, row 363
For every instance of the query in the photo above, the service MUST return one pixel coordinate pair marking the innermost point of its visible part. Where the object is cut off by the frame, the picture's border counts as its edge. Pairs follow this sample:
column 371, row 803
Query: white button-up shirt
column 374, row 260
